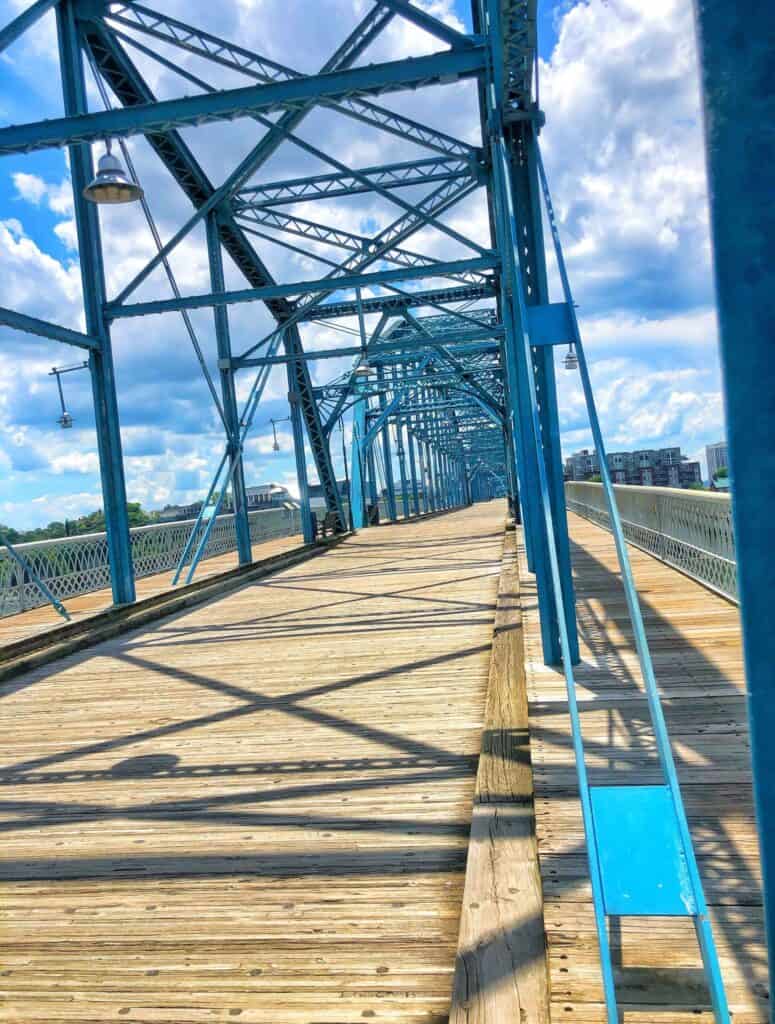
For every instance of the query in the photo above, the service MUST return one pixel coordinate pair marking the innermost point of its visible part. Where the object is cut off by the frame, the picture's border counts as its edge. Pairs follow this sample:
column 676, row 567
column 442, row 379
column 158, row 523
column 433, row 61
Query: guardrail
column 689, row 530
column 79, row 565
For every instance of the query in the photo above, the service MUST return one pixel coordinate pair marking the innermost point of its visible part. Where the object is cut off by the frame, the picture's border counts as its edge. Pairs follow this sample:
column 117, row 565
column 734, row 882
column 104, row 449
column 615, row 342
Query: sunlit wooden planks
column 257, row 809
column 695, row 641
column 501, row 968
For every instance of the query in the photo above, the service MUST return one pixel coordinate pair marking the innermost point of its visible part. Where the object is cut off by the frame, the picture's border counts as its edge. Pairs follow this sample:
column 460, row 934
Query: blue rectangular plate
column 641, row 855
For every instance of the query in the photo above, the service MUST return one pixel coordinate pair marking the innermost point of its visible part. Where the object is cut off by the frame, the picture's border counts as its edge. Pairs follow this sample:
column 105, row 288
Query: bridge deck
column 257, row 810
column 695, row 642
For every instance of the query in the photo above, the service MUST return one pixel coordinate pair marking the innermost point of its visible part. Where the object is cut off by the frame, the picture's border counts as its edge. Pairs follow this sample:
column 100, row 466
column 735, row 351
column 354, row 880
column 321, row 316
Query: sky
column 624, row 156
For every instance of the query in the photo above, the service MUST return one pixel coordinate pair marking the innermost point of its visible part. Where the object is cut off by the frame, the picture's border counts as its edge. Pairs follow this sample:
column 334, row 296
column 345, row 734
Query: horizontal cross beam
column 44, row 329
column 329, row 186
column 115, row 311
column 229, row 104
column 398, row 302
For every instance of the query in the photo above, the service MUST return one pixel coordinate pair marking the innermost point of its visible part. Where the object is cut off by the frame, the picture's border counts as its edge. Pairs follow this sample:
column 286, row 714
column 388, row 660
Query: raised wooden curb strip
column 501, row 971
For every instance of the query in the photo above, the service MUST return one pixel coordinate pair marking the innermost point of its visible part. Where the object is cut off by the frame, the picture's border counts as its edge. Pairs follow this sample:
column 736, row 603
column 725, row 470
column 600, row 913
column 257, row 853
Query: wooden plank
column 696, row 644
column 257, row 809
column 501, row 969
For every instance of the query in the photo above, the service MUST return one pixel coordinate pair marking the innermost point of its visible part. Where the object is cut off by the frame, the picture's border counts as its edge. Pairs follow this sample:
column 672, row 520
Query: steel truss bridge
column 451, row 394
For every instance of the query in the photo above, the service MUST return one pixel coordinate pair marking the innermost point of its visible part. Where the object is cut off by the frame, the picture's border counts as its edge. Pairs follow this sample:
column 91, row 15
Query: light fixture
column 361, row 371
column 112, row 184
column 571, row 360
column 274, row 422
column 65, row 421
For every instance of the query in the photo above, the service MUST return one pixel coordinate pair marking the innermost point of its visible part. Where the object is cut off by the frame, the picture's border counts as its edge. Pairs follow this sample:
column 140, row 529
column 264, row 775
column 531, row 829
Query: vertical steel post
column 527, row 191
column 431, row 482
column 229, row 394
column 735, row 53
column 297, row 428
column 401, row 452
column 357, row 490
column 386, row 456
column 413, row 470
column 94, row 298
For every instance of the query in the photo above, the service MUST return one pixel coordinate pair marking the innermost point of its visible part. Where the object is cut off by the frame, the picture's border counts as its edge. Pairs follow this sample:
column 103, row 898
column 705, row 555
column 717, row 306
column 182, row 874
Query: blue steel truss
column 451, row 394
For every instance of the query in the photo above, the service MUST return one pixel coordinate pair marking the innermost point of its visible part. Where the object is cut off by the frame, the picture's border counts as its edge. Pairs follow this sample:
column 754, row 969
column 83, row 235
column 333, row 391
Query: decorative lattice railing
column 690, row 530
column 78, row 565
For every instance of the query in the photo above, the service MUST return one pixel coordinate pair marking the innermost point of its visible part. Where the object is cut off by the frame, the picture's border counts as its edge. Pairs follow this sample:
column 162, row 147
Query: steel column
column 386, row 455
column 735, row 51
column 94, row 298
column 297, row 428
column 229, row 394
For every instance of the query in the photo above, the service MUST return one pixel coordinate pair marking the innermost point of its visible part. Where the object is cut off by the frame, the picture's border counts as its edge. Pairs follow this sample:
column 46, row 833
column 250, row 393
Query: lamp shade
column 111, row 184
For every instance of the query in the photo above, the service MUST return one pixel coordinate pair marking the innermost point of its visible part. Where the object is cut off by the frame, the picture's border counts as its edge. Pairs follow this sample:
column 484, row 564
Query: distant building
column 581, row 465
column 716, row 457
column 267, row 496
column 663, row 467
column 177, row 513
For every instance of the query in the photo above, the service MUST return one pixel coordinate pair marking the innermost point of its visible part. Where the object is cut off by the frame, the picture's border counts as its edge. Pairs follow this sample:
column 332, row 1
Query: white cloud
column 624, row 156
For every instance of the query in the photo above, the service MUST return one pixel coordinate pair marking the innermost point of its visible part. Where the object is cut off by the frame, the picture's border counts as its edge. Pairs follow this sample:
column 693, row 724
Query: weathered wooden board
column 695, row 639
column 501, row 971
column 257, row 809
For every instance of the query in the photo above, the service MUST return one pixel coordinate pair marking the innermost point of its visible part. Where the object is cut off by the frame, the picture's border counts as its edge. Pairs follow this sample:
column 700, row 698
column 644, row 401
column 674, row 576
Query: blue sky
column 623, row 149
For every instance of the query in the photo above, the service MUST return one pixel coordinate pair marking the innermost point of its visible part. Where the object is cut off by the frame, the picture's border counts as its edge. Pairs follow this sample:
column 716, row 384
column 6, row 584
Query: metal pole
column 357, row 498
column 229, row 394
column 297, row 429
column 94, row 298
column 735, row 52
column 386, row 456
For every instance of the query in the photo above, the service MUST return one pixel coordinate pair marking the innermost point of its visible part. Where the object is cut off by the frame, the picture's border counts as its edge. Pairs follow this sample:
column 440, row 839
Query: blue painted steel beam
column 386, row 452
column 229, row 104
column 532, row 261
column 44, row 329
column 330, row 186
column 357, row 489
column 294, row 404
column 131, row 89
column 93, row 281
column 405, row 300
column 227, row 54
column 303, row 227
column 229, row 395
column 736, row 64
column 11, row 32
column 429, row 24
column 275, row 291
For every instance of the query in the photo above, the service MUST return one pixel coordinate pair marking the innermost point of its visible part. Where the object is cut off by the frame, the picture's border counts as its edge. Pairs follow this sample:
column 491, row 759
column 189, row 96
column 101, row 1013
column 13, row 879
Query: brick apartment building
column 663, row 467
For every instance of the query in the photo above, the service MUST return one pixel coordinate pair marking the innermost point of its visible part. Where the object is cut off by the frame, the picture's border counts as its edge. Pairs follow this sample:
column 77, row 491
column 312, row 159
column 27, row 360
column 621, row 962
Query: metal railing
column 689, row 530
column 79, row 565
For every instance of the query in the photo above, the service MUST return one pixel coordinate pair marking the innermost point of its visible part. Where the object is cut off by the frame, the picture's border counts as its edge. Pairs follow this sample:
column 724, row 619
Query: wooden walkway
column 257, row 810
column 695, row 642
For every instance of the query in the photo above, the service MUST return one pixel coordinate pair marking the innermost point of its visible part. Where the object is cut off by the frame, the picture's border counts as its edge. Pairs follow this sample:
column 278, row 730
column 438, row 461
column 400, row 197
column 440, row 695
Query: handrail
column 689, row 530
column 69, row 566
